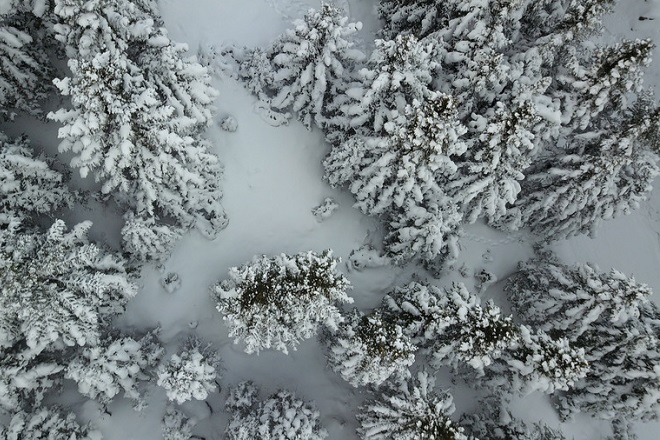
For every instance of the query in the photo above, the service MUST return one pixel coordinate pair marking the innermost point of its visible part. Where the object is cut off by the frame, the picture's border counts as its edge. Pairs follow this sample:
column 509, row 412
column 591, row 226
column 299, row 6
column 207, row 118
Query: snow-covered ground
column 273, row 180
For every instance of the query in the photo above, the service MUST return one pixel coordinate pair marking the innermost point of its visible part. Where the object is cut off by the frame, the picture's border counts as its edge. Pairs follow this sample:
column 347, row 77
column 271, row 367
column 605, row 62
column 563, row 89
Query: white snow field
column 273, row 179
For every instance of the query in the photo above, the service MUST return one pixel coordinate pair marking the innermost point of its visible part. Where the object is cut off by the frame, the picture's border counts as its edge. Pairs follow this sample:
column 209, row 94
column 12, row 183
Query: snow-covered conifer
column 368, row 349
column 145, row 240
column 117, row 364
column 46, row 423
column 82, row 285
column 398, row 73
column 28, row 185
column 409, row 408
column 189, row 374
column 307, row 64
column 24, row 379
column 536, row 362
column 493, row 421
column 283, row 416
column 181, row 80
column 176, row 426
column 277, row 302
column 417, row 17
column 610, row 317
column 593, row 181
column 430, row 231
column 451, row 325
column 135, row 126
column 488, row 179
column 417, row 149
column 25, row 71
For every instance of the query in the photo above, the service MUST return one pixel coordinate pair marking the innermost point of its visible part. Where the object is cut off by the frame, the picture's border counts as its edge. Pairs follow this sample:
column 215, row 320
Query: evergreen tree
column 146, row 240
column 306, row 66
column 25, row 379
column 431, row 232
column 408, row 408
column 134, row 123
column 46, row 423
column 176, row 426
column 610, row 317
column 417, row 17
column 493, row 421
column 189, row 374
column 116, row 364
column 398, row 73
column 368, row 349
column 282, row 416
column 28, row 185
column 81, row 284
column 488, row 178
column 25, row 72
column 536, row 362
column 451, row 325
column 276, row 302
column 608, row 164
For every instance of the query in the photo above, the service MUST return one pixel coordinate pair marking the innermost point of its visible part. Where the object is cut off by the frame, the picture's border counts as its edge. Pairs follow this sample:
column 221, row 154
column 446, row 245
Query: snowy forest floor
column 273, row 179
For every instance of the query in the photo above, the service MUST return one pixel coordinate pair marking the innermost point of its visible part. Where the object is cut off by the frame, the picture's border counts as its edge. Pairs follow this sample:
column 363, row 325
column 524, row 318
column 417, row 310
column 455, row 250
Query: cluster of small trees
column 466, row 110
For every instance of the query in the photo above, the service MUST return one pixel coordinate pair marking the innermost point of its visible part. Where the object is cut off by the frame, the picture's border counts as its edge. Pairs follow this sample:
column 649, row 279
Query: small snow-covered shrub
column 325, row 209
column 369, row 349
column 175, row 425
column 282, row 416
column 171, row 282
column 409, row 409
column 276, row 302
column 46, row 423
column 189, row 374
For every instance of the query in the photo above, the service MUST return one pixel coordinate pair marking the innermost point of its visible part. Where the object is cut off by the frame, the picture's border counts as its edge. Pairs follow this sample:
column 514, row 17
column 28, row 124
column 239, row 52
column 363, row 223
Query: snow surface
column 273, row 179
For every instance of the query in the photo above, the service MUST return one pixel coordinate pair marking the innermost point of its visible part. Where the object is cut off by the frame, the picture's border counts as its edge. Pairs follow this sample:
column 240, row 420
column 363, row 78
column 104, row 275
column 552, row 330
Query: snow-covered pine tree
column 135, row 126
column 416, row 17
column 368, row 349
column 175, row 424
column 398, row 72
column 82, row 285
column 607, row 165
column 493, row 421
column 283, row 416
column 277, row 302
column 307, row 65
column 24, row 380
column 536, row 362
column 25, row 71
column 191, row 373
column 28, row 185
column 488, row 178
column 409, row 408
column 118, row 363
column 46, row 423
column 451, row 325
column 397, row 175
column 145, row 240
column 609, row 316
column 430, row 230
